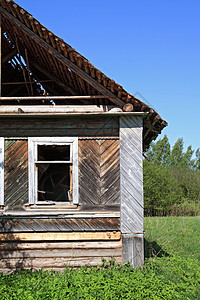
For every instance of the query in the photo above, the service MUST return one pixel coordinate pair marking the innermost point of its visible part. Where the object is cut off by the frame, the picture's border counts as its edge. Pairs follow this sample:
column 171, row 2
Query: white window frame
column 1, row 171
column 33, row 142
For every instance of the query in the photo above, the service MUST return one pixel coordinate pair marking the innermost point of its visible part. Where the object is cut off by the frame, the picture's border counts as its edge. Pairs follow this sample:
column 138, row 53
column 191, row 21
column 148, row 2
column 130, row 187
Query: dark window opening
column 53, row 153
column 54, row 182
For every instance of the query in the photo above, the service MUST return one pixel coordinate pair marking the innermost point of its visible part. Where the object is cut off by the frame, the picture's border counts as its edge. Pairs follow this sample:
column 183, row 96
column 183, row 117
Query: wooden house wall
column 99, row 188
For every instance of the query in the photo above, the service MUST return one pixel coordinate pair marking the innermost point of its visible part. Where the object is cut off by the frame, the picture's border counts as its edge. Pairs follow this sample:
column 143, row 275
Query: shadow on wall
column 152, row 249
column 13, row 254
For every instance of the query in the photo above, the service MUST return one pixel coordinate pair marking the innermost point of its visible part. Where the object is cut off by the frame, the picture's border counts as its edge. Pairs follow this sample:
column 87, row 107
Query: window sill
column 52, row 207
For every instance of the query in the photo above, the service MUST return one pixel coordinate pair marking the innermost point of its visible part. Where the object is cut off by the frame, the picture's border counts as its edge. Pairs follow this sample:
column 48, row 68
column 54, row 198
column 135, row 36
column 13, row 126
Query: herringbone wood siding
column 16, row 172
column 99, row 180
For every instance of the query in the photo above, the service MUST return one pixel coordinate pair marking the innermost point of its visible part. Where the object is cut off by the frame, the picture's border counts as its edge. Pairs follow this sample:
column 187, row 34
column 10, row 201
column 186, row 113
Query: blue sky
column 151, row 48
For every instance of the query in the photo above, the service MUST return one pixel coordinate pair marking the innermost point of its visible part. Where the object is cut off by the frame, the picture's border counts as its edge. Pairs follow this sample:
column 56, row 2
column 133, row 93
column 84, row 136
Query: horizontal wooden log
column 39, row 245
column 61, row 236
column 51, row 98
column 61, row 262
column 62, row 253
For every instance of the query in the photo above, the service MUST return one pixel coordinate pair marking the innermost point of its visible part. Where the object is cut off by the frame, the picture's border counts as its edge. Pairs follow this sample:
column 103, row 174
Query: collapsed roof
column 36, row 62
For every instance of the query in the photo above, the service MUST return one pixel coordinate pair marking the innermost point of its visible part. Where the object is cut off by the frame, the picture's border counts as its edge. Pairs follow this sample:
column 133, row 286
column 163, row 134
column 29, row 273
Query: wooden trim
column 1, row 171
column 32, row 160
column 69, row 213
column 0, row 56
column 70, row 236
column 63, row 59
column 75, row 173
column 131, row 174
column 31, row 171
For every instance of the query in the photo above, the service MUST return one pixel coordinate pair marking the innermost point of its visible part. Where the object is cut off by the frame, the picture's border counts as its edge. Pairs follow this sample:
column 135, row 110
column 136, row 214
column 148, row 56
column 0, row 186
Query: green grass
column 166, row 278
column 172, row 235
column 172, row 271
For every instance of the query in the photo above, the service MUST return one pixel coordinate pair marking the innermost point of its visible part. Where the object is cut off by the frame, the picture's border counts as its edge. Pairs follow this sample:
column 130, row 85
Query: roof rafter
column 64, row 60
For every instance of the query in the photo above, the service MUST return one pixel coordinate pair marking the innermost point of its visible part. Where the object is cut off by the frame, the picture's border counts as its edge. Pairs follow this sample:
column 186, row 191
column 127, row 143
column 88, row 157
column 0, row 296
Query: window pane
column 53, row 182
column 53, row 152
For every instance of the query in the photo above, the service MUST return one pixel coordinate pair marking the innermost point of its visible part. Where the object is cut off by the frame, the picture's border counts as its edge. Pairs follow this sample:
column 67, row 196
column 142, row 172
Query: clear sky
column 151, row 48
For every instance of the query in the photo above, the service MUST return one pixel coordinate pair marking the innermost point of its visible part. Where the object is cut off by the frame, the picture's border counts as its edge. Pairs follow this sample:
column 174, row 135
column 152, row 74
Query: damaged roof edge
column 26, row 24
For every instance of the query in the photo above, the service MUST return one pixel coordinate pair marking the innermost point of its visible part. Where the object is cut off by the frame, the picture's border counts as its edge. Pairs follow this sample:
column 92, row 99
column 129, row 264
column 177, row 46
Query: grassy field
column 172, row 235
column 171, row 271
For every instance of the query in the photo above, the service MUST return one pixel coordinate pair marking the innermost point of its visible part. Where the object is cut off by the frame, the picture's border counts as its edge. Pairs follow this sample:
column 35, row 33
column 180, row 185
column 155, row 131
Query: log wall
column 16, row 255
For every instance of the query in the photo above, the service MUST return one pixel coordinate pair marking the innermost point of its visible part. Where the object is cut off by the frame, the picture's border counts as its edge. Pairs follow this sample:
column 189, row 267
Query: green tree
column 197, row 160
column 159, row 152
column 171, row 179
column 161, row 189
column 177, row 153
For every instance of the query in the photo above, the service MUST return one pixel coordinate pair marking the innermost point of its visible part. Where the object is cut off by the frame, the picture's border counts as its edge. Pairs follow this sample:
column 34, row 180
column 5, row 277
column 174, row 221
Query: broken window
column 53, row 171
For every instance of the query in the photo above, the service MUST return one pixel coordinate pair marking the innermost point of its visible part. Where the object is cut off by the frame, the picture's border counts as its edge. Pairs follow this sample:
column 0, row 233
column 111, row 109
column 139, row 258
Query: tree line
column 171, row 179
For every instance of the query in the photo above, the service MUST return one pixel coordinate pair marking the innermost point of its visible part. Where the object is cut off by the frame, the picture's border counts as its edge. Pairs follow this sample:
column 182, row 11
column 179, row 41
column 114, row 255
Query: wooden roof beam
column 63, row 59
column 52, row 98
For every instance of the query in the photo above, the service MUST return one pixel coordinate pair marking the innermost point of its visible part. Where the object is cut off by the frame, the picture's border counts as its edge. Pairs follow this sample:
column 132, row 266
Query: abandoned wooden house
column 71, row 146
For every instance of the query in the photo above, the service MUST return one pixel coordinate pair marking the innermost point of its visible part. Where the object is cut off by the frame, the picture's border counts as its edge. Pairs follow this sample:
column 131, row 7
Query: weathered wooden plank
column 60, row 236
column 69, row 110
column 73, row 252
column 17, row 246
column 9, row 225
column 131, row 179
column 60, row 262
column 133, row 249
column 131, row 174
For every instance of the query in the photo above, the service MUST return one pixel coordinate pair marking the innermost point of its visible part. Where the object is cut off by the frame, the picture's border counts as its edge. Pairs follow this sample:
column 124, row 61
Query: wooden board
column 60, row 236
column 133, row 249
column 56, row 224
column 131, row 174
